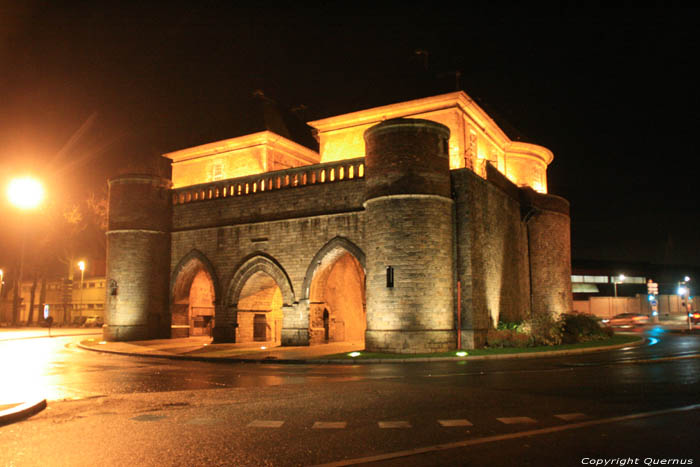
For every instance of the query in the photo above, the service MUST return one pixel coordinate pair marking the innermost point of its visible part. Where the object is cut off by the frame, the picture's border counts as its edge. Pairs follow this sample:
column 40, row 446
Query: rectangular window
column 217, row 171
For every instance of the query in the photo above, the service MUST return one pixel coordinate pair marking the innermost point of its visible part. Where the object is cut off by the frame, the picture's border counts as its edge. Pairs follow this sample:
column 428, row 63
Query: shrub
column 544, row 329
column 583, row 327
column 506, row 338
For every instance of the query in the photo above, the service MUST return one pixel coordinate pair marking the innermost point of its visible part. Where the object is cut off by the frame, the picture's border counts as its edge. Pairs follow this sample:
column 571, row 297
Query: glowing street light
column 2, row 281
column 619, row 280
column 25, row 193
column 684, row 292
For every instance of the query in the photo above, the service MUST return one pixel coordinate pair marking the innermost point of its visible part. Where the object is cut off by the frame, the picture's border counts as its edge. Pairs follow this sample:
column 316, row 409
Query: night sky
column 87, row 89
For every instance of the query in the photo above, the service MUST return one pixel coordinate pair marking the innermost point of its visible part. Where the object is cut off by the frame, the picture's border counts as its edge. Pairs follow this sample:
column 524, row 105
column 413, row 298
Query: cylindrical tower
column 408, row 233
column 138, row 258
column 549, row 248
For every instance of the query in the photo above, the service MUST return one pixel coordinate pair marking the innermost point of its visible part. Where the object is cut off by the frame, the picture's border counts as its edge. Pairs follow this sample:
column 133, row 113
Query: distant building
column 65, row 299
column 606, row 288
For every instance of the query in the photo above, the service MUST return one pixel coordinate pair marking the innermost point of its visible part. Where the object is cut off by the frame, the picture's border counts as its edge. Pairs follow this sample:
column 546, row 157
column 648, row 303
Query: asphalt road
column 640, row 403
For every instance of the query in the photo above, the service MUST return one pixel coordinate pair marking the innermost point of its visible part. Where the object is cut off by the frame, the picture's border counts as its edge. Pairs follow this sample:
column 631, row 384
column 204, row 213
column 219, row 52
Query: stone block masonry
column 400, row 209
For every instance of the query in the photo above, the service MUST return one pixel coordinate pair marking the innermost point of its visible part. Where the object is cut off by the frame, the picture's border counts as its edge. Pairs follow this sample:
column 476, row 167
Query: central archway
column 258, row 296
column 335, row 287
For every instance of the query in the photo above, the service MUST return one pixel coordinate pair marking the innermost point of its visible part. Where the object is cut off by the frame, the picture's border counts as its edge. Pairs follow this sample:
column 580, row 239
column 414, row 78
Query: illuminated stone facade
column 369, row 239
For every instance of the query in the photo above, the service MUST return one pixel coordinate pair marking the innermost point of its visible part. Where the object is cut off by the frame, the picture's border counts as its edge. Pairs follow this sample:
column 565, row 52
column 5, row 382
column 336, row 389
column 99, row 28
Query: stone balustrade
column 330, row 172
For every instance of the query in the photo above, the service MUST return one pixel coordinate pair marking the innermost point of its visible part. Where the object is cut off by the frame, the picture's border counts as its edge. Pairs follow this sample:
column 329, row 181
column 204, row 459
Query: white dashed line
column 571, row 416
column 457, row 422
column 266, row 423
column 329, row 425
column 395, row 424
column 516, row 420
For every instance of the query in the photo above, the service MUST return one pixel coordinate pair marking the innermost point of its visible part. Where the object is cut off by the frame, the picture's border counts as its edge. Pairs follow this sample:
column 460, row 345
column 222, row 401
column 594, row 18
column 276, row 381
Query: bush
column 583, row 327
column 544, row 329
column 506, row 338
column 548, row 329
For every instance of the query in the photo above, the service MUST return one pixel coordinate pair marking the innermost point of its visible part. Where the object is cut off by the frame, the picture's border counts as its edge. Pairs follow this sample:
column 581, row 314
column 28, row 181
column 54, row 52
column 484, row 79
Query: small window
column 217, row 171
column 92, row 284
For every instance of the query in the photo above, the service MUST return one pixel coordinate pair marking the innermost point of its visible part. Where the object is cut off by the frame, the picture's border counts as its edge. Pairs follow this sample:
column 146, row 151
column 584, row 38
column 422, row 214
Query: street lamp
column 24, row 193
column 684, row 291
column 81, row 266
column 2, row 281
column 621, row 278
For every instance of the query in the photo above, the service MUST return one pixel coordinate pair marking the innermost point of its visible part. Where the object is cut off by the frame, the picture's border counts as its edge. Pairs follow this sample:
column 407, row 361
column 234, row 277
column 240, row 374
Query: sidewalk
column 201, row 349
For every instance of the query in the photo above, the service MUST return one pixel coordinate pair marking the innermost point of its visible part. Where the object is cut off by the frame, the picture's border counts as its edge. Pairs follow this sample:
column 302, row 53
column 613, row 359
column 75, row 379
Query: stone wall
column 230, row 231
column 138, row 250
column 492, row 264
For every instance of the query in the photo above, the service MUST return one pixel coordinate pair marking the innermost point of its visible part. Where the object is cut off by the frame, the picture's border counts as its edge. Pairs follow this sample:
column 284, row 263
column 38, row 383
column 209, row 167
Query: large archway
column 336, row 293
column 193, row 297
column 259, row 293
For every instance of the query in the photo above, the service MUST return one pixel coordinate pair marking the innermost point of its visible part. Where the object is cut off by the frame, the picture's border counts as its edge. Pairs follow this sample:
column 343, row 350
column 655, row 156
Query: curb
column 22, row 411
column 553, row 353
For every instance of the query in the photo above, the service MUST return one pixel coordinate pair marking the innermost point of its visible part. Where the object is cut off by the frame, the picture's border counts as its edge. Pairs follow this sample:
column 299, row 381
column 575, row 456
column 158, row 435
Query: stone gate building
column 414, row 227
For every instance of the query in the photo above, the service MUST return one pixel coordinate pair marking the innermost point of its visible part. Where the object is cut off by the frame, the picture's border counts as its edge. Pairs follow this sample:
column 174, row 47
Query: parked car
column 627, row 320
column 91, row 321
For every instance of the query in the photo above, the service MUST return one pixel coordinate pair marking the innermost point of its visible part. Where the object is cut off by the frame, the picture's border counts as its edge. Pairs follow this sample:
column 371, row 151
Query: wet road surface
column 118, row 410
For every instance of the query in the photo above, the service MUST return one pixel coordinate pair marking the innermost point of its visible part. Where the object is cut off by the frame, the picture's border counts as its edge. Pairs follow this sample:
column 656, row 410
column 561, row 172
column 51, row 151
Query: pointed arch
column 185, row 272
column 194, row 293
column 335, row 248
column 256, row 263
column 334, row 288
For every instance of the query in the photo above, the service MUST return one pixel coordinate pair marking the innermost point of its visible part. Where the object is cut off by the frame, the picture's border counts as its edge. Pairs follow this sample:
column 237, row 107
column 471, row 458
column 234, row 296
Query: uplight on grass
column 102, row 342
column 354, row 354
column 462, row 353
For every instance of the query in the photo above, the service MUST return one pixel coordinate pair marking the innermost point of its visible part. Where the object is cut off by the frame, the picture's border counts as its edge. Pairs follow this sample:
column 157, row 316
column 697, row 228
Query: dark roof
column 261, row 113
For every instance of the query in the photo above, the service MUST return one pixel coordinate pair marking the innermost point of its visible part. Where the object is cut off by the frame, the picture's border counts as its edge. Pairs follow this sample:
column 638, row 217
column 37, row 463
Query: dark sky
column 88, row 88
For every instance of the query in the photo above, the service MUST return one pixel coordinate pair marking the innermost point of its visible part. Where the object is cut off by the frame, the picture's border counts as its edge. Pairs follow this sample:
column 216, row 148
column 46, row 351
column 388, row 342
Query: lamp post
column 621, row 277
column 2, row 281
column 81, row 266
column 684, row 291
column 24, row 193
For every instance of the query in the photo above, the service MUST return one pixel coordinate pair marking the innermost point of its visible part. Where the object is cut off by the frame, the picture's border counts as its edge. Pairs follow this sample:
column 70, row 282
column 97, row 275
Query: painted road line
column 395, row 424
column 457, row 422
column 571, row 416
column 266, row 423
column 516, row 420
column 505, row 437
column 329, row 425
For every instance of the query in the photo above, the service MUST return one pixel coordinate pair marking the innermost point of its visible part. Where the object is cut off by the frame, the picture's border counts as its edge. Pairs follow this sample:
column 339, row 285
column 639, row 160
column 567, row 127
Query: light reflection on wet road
column 57, row 369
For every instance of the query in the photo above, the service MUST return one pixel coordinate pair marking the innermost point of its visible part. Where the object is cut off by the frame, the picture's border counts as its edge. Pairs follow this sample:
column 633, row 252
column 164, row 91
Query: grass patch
column 615, row 340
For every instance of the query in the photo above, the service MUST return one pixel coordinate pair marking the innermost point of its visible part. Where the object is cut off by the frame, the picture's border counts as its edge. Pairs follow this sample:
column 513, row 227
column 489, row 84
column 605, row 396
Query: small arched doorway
column 193, row 298
column 337, row 297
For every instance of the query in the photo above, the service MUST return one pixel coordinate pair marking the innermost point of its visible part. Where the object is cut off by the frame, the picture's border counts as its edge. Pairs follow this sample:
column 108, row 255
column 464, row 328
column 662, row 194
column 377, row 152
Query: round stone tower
column 549, row 246
column 138, row 258
column 408, row 233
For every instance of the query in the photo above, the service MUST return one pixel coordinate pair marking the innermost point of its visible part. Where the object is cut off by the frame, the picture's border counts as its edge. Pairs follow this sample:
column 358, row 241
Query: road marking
column 266, row 423
column 395, row 424
column 516, row 420
column 490, row 439
column 571, row 416
column 457, row 422
column 329, row 425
